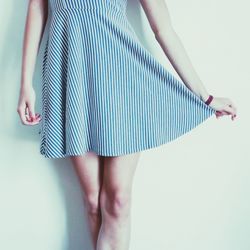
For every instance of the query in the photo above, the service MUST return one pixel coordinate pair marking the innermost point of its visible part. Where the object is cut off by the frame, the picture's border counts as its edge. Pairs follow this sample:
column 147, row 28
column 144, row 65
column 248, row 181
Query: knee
column 116, row 203
column 92, row 204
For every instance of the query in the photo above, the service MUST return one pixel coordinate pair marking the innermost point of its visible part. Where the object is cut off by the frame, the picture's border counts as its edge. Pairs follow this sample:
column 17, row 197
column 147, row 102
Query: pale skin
column 107, row 181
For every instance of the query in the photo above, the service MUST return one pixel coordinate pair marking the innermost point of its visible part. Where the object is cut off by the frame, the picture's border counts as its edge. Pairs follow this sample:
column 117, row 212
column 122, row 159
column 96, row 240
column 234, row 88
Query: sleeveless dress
column 102, row 91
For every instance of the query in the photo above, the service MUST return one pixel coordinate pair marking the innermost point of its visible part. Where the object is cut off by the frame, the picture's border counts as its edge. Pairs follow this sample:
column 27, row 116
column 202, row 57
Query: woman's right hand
column 26, row 106
column 223, row 106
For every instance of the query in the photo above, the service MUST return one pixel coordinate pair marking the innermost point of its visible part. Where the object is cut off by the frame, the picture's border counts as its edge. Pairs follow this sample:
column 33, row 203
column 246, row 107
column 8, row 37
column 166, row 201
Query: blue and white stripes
column 102, row 91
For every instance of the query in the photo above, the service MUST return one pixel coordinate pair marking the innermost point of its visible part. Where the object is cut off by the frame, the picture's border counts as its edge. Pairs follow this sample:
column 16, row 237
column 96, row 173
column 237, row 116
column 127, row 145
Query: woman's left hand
column 223, row 106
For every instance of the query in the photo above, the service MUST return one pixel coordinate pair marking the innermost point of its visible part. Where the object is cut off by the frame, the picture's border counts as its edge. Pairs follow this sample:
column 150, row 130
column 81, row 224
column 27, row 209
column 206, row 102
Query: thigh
column 119, row 171
column 89, row 170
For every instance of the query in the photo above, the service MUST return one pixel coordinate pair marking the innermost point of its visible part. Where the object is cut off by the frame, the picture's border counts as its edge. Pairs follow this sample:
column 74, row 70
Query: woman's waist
column 85, row 5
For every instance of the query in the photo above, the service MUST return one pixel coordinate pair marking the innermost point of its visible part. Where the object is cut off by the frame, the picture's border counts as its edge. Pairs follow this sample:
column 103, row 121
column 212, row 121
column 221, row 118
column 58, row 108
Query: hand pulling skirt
column 102, row 91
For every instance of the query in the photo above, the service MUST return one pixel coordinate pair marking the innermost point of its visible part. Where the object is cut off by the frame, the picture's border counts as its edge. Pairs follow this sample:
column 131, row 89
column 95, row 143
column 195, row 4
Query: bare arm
column 159, row 20
column 35, row 23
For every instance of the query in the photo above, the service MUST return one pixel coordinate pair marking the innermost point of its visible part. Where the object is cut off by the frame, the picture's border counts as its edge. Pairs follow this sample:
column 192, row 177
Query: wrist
column 208, row 100
column 26, row 78
column 25, row 86
column 26, row 82
column 204, row 96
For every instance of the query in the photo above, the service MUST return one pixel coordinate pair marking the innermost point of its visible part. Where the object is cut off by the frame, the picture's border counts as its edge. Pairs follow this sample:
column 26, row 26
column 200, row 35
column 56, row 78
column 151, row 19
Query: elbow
column 157, row 33
column 166, row 30
column 37, row 5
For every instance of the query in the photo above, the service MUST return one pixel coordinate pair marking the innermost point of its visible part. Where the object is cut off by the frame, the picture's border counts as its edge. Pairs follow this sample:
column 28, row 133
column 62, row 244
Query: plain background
column 192, row 193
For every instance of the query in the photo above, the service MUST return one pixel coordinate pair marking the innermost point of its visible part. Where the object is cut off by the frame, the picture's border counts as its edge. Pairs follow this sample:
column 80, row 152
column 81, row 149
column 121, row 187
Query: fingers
column 232, row 105
column 230, row 110
column 227, row 110
column 31, row 111
column 23, row 112
column 218, row 114
column 36, row 120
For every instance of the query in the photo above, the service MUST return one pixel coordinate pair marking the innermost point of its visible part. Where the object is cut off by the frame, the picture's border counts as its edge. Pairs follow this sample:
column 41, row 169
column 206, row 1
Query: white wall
column 192, row 193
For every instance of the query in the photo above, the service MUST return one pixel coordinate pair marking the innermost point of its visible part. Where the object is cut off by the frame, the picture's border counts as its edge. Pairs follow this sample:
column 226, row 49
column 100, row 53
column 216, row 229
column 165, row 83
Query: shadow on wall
column 76, row 235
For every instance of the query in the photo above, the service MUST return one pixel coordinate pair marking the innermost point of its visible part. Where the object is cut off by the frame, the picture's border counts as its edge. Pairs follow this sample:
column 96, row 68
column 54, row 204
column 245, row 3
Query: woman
column 104, row 131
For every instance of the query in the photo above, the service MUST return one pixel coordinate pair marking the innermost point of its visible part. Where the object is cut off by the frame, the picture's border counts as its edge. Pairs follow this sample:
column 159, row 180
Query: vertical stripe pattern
column 102, row 91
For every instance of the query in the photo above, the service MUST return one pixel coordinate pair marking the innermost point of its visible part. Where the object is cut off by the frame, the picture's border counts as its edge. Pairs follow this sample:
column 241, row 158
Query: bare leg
column 115, row 202
column 88, row 168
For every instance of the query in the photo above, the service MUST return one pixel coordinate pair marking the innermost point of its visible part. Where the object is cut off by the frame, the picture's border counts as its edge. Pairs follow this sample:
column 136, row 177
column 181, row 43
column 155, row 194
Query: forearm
column 175, row 51
column 34, row 27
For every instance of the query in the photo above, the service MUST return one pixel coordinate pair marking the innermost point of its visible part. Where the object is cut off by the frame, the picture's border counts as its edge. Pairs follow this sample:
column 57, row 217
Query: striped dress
column 102, row 91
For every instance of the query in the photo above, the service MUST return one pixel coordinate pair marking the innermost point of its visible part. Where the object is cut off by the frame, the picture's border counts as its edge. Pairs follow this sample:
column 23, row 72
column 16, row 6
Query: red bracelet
column 208, row 101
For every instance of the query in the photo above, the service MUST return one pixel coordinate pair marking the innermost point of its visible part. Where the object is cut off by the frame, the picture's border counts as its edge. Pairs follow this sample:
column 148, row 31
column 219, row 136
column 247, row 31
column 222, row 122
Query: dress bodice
column 87, row 4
